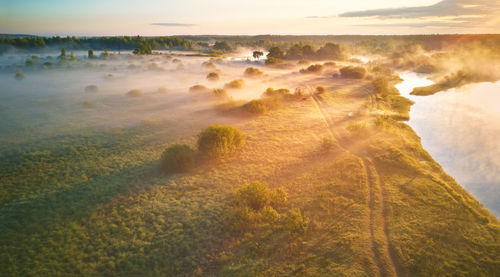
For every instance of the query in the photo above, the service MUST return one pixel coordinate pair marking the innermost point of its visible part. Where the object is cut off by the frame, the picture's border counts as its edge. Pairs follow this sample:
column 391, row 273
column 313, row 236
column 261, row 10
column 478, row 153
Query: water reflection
column 460, row 129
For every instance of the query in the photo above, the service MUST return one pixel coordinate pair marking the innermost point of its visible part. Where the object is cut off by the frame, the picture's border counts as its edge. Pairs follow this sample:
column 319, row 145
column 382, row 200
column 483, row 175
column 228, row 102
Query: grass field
column 94, row 201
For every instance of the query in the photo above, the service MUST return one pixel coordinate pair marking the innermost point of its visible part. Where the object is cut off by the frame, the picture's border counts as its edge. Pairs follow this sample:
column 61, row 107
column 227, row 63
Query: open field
column 83, row 192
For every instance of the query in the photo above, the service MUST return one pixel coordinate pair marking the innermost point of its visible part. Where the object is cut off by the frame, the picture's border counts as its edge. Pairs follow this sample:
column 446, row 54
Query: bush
column 353, row 72
column 19, row 75
column 213, row 76
column 303, row 62
column 253, row 72
column 208, row 65
column 294, row 223
column 91, row 88
column 162, row 90
column 282, row 93
column 256, row 195
column 235, row 84
column 219, row 93
column 217, row 141
column 256, row 107
column 178, row 158
column 315, row 68
column 327, row 144
column 30, row 62
column 89, row 104
column 134, row 93
column 329, row 64
column 199, row 88
column 320, row 90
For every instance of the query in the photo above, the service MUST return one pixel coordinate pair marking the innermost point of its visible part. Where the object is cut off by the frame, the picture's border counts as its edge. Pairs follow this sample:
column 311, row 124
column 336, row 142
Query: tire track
column 379, row 236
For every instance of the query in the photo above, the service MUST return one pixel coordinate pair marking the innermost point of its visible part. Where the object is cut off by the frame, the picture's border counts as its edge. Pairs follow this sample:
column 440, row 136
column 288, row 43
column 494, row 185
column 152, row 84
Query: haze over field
column 167, row 139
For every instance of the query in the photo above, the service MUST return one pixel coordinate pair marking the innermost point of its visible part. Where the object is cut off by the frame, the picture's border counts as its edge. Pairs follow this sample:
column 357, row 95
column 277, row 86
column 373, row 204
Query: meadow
column 329, row 181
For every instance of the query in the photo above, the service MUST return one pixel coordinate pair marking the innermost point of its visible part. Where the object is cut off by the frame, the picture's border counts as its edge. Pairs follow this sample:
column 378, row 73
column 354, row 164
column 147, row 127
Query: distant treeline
column 96, row 43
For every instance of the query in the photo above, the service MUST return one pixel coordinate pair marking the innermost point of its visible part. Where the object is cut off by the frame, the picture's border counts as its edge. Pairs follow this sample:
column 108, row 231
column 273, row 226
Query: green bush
column 256, row 195
column 217, row 141
column 353, row 72
column 178, row 158
column 295, row 224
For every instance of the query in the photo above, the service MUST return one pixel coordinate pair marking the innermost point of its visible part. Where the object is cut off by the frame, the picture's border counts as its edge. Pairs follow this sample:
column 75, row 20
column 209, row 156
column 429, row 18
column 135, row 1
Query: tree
column 91, row 53
column 63, row 53
column 72, row 56
column 276, row 53
column 330, row 51
column 143, row 48
column 257, row 54
column 222, row 45
column 294, row 53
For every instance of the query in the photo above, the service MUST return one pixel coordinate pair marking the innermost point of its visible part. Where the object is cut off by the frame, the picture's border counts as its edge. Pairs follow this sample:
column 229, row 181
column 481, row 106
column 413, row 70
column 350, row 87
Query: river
column 460, row 128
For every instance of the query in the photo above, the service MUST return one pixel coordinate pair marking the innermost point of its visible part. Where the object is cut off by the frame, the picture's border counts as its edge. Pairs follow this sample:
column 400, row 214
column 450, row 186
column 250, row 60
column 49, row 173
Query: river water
column 460, row 128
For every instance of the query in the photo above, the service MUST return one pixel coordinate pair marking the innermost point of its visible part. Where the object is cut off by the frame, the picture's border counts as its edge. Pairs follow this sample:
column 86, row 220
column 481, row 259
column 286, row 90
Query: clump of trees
column 235, row 84
column 218, row 141
column 253, row 72
column 222, row 46
column 315, row 68
column 178, row 158
column 330, row 51
column 143, row 48
column 353, row 72
column 213, row 76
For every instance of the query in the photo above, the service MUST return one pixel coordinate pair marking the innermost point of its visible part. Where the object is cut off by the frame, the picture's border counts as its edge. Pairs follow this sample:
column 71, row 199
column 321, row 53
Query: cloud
column 169, row 24
column 442, row 8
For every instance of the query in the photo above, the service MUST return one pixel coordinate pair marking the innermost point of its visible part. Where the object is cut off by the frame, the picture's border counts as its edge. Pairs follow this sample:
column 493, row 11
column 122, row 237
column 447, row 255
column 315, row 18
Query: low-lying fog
column 460, row 129
column 128, row 90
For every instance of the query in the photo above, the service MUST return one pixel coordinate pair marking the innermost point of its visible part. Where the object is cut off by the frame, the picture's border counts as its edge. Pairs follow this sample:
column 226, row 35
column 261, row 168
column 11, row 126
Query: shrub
column 235, row 84
column 219, row 93
column 294, row 223
column 256, row 107
column 19, row 75
column 213, row 76
column 253, row 72
column 199, row 88
column 282, row 93
column 315, row 68
column 320, row 90
column 329, row 64
column 29, row 62
column 353, row 72
column 91, row 88
column 327, row 144
column 134, row 93
column 162, row 90
column 256, row 195
column 303, row 62
column 89, row 104
column 178, row 158
column 208, row 65
column 218, row 141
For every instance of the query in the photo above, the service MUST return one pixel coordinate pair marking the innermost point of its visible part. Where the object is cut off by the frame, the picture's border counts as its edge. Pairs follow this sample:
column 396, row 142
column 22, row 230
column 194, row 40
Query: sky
column 232, row 17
